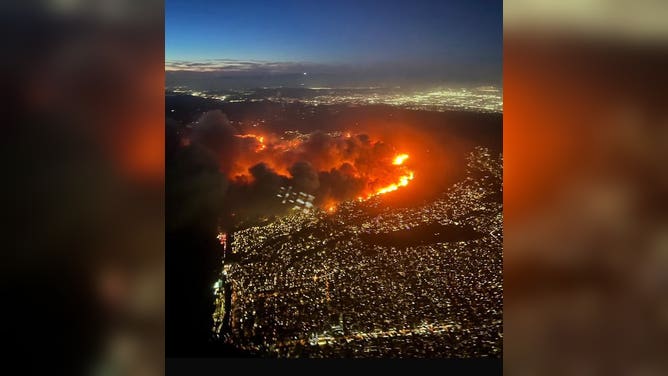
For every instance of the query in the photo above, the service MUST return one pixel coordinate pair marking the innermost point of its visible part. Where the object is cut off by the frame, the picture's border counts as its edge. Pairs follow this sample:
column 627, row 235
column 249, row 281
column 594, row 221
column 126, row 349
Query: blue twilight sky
column 416, row 35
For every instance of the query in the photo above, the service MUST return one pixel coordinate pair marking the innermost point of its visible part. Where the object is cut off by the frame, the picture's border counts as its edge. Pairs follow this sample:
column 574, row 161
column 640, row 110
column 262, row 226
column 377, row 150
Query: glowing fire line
column 403, row 180
column 259, row 139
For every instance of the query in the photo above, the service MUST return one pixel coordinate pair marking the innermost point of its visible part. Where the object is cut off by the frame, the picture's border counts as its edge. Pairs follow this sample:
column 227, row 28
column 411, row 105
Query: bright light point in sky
column 304, row 73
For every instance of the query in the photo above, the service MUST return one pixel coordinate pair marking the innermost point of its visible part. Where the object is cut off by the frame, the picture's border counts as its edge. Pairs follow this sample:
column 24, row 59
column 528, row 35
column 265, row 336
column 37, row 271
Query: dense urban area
column 479, row 99
column 369, row 280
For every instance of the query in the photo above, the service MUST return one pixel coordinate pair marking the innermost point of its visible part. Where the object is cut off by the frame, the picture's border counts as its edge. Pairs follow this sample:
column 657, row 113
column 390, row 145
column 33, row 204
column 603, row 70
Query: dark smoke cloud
column 214, row 131
column 195, row 187
column 340, row 184
column 304, row 177
column 251, row 199
column 266, row 180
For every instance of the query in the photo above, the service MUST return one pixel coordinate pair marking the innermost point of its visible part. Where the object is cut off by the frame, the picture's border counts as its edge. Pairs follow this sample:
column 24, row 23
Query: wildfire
column 325, row 159
column 399, row 159
column 403, row 181
column 260, row 140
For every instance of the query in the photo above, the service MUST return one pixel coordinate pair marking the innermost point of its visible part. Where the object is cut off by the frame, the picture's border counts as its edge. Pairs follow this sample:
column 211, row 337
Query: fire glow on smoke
column 340, row 166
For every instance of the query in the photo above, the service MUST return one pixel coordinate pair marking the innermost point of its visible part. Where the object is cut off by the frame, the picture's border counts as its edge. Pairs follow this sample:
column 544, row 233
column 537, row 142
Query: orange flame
column 260, row 140
column 403, row 181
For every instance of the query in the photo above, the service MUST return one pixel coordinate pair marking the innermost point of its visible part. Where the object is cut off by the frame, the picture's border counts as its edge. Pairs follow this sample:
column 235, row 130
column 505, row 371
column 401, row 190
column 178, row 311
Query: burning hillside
column 335, row 166
column 367, row 164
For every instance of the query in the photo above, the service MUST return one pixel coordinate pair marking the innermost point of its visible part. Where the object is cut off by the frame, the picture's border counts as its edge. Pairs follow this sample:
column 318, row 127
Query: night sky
column 448, row 39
